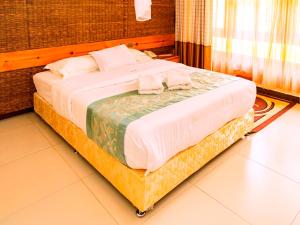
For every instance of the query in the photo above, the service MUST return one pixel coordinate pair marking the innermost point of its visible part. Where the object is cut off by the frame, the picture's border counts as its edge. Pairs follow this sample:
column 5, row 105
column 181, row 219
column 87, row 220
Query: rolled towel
column 142, row 9
column 178, row 80
column 150, row 84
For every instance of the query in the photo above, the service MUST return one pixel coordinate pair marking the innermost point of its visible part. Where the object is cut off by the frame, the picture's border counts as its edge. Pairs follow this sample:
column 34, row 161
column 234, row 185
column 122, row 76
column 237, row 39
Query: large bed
column 161, row 148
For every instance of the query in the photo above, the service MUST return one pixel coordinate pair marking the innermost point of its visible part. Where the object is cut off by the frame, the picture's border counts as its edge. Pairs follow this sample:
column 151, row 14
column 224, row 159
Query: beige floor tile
column 12, row 123
column 280, row 154
column 192, row 206
column 21, row 142
column 48, row 132
column 31, row 178
column 216, row 162
column 297, row 220
column 257, row 194
column 71, row 206
column 80, row 166
column 34, row 117
column 118, row 206
column 291, row 116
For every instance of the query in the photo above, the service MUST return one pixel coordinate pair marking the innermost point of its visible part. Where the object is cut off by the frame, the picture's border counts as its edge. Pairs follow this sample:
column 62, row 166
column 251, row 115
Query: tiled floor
column 256, row 181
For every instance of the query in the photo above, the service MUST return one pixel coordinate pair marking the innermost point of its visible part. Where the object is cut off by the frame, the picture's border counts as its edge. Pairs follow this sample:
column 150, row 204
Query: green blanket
column 107, row 119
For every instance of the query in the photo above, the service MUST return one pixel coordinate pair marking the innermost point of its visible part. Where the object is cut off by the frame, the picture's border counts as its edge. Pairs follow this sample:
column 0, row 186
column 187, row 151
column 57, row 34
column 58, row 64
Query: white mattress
column 153, row 139
column 43, row 83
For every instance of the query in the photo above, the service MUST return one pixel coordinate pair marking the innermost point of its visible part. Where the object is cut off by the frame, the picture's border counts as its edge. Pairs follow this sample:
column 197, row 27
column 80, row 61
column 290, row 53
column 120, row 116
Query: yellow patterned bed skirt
column 144, row 191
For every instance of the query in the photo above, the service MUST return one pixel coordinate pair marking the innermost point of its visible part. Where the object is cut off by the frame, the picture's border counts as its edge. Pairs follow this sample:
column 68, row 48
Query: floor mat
column 267, row 109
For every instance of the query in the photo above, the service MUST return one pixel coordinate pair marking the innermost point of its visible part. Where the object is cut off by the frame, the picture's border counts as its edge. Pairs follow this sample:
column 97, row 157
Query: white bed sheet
column 43, row 83
column 153, row 139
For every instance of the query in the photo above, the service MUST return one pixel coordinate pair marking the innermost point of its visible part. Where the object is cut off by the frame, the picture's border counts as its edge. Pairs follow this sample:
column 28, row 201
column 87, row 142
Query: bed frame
column 143, row 191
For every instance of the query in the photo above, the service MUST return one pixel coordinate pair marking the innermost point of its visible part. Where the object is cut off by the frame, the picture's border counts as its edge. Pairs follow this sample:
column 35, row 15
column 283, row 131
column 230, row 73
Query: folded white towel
column 142, row 9
column 180, row 87
column 176, row 79
column 150, row 84
column 151, row 92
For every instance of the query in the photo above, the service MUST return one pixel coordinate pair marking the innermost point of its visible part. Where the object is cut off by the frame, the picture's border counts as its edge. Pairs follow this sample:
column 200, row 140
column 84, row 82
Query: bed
column 162, row 148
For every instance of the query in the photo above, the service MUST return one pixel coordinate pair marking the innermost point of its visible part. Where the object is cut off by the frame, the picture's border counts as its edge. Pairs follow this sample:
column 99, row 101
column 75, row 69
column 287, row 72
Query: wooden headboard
column 10, row 61
column 18, row 67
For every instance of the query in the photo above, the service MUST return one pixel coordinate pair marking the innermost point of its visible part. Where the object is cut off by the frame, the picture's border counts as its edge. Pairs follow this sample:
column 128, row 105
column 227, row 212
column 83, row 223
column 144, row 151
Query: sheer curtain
column 259, row 40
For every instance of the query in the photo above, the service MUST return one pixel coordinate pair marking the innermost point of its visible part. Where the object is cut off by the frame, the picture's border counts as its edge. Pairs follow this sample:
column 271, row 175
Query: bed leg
column 249, row 133
column 141, row 214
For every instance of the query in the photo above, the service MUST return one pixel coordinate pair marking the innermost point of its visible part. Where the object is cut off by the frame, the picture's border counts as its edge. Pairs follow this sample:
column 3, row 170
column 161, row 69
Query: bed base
column 144, row 191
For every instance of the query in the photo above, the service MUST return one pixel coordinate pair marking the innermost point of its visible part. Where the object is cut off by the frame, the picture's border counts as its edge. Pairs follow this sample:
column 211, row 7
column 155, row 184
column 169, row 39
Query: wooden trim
column 38, row 57
column 169, row 57
column 16, row 113
column 278, row 95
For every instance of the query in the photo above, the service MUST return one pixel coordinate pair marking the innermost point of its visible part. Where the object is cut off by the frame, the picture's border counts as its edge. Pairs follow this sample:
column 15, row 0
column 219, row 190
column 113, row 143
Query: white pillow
column 73, row 66
column 112, row 58
column 139, row 56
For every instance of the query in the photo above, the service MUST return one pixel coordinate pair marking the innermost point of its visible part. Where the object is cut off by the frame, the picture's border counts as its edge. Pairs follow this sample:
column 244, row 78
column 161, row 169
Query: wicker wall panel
column 30, row 24
column 64, row 22
column 162, row 22
column 16, row 90
column 13, row 25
